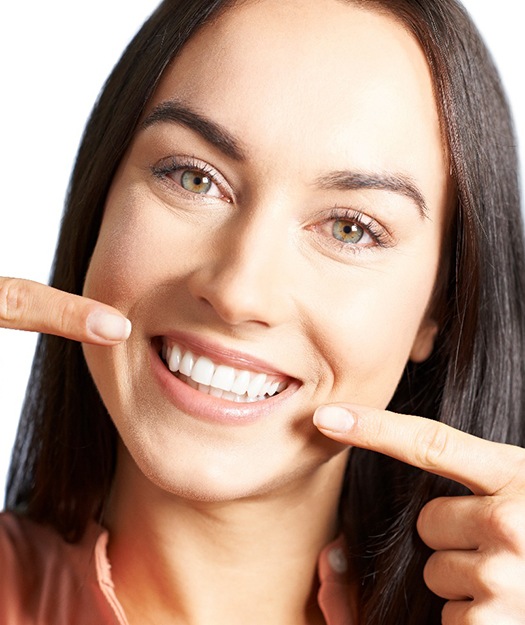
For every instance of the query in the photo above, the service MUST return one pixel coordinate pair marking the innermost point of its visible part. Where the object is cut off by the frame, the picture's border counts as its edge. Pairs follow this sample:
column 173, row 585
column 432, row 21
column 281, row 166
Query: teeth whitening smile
column 217, row 380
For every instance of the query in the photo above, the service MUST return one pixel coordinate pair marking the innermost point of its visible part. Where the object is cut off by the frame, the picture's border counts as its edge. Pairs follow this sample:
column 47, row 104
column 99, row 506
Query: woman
column 323, row 221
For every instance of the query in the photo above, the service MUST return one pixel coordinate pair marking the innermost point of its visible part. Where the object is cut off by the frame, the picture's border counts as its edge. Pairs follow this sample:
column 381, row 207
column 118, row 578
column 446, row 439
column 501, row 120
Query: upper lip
column 201, row 346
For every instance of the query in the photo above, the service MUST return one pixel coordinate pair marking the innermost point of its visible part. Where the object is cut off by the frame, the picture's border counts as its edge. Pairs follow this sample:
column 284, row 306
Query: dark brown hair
column 64, row 456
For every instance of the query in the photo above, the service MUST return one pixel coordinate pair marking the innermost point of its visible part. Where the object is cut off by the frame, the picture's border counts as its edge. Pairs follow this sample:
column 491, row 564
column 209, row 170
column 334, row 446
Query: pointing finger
column 482, row 466
column 28, row 305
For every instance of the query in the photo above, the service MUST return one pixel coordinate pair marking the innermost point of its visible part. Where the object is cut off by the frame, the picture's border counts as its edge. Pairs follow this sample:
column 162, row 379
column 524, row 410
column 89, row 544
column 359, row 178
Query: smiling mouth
column 220, row 380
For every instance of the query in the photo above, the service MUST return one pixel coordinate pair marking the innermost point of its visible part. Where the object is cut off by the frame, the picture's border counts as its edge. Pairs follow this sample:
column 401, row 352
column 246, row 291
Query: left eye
column 350, row 232
column 196, row 181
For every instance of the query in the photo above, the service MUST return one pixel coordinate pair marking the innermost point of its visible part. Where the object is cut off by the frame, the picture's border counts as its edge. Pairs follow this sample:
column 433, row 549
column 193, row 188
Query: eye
column 355, row 231
column 196, row 181
column 192, row 176
column 350, row 232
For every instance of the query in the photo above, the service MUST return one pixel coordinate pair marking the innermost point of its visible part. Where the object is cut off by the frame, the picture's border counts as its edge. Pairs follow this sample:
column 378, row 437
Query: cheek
column 371, row 332
column 134, row 254
column 119, row 264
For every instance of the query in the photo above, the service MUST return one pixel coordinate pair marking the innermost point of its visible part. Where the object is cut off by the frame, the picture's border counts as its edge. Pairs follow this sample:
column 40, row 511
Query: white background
column 54, row 58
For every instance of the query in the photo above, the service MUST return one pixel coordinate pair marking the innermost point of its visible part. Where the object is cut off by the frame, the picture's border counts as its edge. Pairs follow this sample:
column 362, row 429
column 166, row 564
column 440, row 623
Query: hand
column 27, row 305
column 479, row 540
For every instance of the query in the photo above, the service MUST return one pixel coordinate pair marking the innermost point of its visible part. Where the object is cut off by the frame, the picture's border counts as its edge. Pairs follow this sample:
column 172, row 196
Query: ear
column 424, row 341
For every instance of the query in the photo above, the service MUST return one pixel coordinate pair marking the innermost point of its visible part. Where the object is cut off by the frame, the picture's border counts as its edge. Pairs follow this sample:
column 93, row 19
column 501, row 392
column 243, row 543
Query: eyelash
column 380, row 236
column 175, row 164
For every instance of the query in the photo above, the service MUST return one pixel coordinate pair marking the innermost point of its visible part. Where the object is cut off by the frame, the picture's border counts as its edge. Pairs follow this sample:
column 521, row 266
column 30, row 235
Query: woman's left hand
column 479, row 540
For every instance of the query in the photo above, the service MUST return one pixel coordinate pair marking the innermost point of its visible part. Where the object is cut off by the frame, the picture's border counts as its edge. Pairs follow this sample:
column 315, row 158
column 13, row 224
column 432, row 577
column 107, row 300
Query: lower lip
column 215, row 409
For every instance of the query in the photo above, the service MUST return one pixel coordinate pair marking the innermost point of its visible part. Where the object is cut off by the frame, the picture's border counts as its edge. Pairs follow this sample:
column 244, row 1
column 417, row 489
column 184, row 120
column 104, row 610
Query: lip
column 209, row 408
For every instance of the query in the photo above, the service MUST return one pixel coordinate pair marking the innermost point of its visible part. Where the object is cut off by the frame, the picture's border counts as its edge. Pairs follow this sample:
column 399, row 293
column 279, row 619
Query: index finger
column 28, row 305
column 485, row 467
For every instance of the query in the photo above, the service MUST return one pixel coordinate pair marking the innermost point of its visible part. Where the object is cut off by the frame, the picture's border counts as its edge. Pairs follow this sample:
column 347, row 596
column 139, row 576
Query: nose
column 244, row 278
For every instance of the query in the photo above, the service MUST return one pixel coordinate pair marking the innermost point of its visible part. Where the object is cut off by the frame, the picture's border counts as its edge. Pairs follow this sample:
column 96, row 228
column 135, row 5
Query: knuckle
column 13, row 299
column 431, row 444
column 67, row 314
column 377, row 429
column 490, row 575
column 517, row 461
column 505, row 521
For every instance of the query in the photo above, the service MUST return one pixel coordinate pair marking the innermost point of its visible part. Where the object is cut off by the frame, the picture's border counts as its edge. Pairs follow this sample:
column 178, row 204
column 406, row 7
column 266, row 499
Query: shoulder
column 45, row 578
column 22, row 547
column 21, row 538
column 29, row 549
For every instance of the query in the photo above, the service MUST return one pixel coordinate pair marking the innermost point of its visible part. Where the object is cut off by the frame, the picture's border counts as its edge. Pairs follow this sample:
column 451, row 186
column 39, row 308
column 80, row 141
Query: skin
column 259, row 269
column 479, row 542
column 254, row 266
column 166, row 258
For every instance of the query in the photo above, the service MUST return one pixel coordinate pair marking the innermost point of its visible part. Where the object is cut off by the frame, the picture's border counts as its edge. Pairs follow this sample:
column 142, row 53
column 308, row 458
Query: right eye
column 196, row 181
column 195, row 177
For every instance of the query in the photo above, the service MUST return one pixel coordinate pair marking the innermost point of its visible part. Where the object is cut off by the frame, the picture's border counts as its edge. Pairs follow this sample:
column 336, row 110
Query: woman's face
column 277, row 222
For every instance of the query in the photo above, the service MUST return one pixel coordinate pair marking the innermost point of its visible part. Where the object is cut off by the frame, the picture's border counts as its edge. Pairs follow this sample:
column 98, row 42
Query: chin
column 210, row 471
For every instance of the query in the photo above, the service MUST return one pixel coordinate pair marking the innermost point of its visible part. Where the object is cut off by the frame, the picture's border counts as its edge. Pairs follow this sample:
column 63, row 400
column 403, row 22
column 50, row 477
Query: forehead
column 314, row 75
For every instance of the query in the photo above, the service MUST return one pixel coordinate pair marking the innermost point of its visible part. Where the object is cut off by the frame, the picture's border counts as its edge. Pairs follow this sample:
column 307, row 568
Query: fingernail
column 109, row 326
column 333, row 418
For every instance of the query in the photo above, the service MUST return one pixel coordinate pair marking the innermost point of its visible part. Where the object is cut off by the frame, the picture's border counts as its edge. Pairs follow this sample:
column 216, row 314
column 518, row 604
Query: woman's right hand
column 28, row 305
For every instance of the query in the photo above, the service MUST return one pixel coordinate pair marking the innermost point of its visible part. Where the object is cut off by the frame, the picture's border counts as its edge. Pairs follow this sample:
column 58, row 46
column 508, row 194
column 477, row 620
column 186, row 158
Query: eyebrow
column 174, row 111
column 355, row 180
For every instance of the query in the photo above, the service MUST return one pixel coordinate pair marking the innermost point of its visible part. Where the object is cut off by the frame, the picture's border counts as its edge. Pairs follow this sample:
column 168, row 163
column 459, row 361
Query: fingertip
column 108, row 326
column 334, row 418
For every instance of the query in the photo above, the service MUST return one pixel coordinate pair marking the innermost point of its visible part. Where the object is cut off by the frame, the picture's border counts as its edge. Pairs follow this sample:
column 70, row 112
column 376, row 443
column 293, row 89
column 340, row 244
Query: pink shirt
column 46, row 581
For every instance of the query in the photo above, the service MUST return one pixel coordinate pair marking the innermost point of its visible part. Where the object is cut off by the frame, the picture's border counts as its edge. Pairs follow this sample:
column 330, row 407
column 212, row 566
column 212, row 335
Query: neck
column 251, row 560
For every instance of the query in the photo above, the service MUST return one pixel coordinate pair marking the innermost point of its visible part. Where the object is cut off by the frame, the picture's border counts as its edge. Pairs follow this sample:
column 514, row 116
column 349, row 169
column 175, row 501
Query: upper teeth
column 204, row 372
